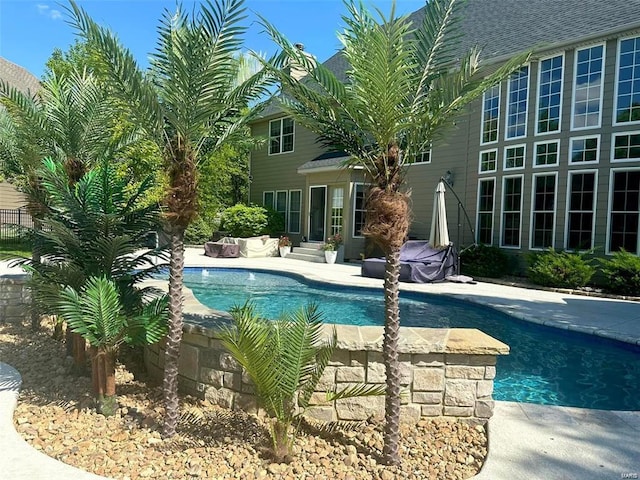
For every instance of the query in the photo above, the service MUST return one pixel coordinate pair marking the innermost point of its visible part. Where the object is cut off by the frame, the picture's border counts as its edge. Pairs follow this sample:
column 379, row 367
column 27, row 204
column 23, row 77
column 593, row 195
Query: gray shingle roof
column 18, row 77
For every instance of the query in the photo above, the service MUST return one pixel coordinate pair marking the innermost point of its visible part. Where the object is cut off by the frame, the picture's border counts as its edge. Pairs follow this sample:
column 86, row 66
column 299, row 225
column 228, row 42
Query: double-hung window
column 486, row 203
column 359, row 210
column 624, row 220
column 581, row 210
column 294, row 213
column 281, row 136
column 511, row 211
column 543, row 210
column 337, row 210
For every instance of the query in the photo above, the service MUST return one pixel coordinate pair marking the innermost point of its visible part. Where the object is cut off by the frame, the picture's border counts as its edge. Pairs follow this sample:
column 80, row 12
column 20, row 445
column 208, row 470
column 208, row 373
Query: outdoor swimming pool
column 545, row 366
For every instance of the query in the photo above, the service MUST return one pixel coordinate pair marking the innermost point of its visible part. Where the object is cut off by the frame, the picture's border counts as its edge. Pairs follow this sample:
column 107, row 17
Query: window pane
column 588, row 81
column 625, row 211
column 581, row 210
column 628, row 98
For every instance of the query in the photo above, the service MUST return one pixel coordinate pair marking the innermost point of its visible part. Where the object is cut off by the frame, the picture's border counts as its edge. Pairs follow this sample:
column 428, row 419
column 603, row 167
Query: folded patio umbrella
column 439, row 237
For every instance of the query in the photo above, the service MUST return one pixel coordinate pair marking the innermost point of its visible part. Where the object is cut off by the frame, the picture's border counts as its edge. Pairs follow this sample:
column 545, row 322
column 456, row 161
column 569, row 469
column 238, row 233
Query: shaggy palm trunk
column 390, row 354
column 282, row 443
column 174, row 336
column 103, row 374
column 35, row 259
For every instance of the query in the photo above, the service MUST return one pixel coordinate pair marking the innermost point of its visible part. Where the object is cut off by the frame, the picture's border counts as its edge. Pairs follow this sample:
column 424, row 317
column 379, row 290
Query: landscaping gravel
column 55, row 414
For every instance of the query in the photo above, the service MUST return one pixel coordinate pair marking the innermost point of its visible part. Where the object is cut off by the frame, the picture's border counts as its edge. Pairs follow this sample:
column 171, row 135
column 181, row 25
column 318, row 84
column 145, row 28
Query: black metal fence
column 13, row 225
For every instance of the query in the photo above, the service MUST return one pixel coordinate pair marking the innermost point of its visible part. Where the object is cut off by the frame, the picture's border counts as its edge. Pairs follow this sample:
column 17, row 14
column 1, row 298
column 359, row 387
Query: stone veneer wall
column 15, row 298
column 445, row 372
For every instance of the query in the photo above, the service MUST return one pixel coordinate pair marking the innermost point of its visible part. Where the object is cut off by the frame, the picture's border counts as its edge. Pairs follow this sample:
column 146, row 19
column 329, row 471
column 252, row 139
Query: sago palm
column 404, row 86
column 191, row 97
column 285, row 359
column 96, row 312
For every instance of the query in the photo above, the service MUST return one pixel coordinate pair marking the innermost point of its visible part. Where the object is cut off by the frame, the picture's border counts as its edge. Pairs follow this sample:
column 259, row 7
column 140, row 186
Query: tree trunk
column 174, row 336
column 35, row 259
column 103, row 375
column 390, row 354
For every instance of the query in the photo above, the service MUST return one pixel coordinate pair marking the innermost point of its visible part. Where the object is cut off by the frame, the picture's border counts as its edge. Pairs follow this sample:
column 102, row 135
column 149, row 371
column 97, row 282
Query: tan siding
column 10, row 198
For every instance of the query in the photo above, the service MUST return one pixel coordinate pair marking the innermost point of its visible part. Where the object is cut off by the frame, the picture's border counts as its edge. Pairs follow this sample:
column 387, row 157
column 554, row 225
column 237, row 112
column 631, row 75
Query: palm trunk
column 174, row 336
column 103, row 375
column 35, row 259
column 390, row 353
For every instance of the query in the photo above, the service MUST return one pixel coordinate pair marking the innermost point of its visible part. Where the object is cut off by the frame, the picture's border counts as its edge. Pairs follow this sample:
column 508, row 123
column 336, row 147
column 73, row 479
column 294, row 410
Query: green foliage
column 622, row 273
column 560, row 269
column 198, row 232
column 96, row 228
column 275, row 222
column 97, row 313
column 244, row 221
column 484, row 261
column 285, row 359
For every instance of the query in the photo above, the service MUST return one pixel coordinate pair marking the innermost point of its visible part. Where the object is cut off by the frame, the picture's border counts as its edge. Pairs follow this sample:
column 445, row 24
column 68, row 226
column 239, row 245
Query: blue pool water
column 545, row 366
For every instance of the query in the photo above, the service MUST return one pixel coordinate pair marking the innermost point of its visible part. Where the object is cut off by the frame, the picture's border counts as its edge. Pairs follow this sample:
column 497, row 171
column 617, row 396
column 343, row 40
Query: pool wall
column 445, row 372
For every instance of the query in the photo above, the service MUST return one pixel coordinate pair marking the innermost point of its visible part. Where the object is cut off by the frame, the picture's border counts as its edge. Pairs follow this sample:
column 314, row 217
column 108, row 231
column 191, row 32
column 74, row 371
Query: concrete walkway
column 526, row 441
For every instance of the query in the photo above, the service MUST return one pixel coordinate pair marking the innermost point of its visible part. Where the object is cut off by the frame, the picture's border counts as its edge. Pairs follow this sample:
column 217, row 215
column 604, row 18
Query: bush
column 560, row 269
column 275, row 223
column 484, row 261
column 244, row 221
column 198, row 232
column 622, row 273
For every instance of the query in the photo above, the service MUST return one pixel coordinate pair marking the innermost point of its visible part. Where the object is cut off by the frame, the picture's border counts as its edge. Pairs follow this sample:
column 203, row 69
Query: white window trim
column 264, row 201
column 430, row 152
column 567, row 205
column 493, row 206
column 482, row 117
column 524, row 157
column 480, row 171
column 353, row 210
column 615, row 89
column 612, row 171
column 613, row 146
column 504, row 179
column 573, row 87
column 526, row 117
column 289, row 212
column 286, row 202
column 584, row 137
column 535, row 153
column 555, row 208
column 541, row 134
column 281, row 129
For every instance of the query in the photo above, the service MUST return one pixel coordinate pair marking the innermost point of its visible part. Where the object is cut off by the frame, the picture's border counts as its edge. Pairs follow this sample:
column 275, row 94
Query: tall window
column 514, row 157
column 281, row 203
column 546, row 154
column 587, row 91
column 488, row 161
column 268, row 199
column 486, row 202
column 628, row 86
column 337, row 210
column 584, row 150
column 281, row 134
column 550, row 95
column 626, row 147
column 511, row 211
column 359, row 209
column 543, row 211
column 581, row 210
column 490, row 114
column 295, row 207
column 517, row 103
column 625, row 211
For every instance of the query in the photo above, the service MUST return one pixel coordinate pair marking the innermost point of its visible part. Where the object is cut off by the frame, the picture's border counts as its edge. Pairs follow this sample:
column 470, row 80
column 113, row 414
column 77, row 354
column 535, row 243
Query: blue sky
column 31, row 29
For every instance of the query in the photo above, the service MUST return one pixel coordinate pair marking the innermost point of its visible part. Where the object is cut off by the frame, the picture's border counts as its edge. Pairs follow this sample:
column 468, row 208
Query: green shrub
column 275, row 223
column 560, row 269
column 622, row 273
column 244, row 221
column 484, row 261
column 198, row 232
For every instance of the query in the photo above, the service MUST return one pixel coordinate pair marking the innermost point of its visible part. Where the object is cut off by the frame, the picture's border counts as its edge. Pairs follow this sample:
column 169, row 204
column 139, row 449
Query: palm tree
column 404, row 87
column 191, row 97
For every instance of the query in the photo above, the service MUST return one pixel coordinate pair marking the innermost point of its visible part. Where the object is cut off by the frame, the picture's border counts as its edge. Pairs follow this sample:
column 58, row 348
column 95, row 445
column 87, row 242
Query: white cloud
column 47, row 11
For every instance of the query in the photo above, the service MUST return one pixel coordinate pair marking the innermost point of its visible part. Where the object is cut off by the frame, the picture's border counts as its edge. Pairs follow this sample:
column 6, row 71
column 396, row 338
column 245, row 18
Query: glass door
column 317, row 214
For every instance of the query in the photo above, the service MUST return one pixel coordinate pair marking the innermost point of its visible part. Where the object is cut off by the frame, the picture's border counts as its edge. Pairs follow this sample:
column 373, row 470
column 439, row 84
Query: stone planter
column 330, row 256
column 284, row 251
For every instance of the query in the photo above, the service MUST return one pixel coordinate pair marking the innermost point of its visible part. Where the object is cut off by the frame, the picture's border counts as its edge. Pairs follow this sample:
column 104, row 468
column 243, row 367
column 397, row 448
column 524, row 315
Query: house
column 549, row 158
column 16, row 76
